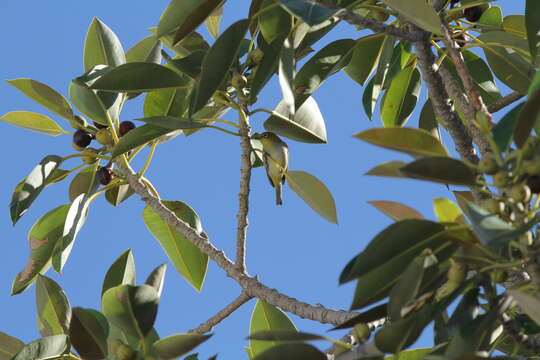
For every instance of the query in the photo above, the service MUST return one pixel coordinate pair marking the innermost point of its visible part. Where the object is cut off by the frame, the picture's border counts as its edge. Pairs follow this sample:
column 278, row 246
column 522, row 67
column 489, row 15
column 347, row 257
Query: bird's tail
column 279, row 200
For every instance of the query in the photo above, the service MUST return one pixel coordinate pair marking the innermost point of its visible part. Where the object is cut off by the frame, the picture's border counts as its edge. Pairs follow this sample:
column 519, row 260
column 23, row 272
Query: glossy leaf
column 146, row 50
column 441, row 170
column 186, row 46
column 157, row 278
column 9, row 346
column 44, row 95
column 365, row 56
column 121, row 272
column 188, row 260
column 42, row 237
column 388, row 169
column 33, row 121
column 307, row 125
column 286, row 73
column 528, row 303
column 401, row 97
column 293, row 351
column 314, row 193
column 396, row 210
column 88, row 332
column 370, row 98
column 217, row 62
column 53, row 310
column 28, row 190
column 136, row 137
column 309, row 12
column 50, row 347
column 266, row 68
column 195, row 17
column 274, row 21
column 532, row 23
column 118, row 194
column 169, row 102
column 329, row 60
column 190, row 65
column 132, row 309
column 503, row 131
column 267, row 317
column 528, row 117
column 492, row 17
column 419, row 12
column 415, row 142
column 177, row 345
column 88, row 101
column 83, row 183
column 375, row 86
column 102, row 46
column 447, row 211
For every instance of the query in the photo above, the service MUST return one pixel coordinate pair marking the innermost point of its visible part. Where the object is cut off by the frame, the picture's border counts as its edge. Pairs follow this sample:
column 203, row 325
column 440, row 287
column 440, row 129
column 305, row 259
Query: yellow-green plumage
column 276, row 161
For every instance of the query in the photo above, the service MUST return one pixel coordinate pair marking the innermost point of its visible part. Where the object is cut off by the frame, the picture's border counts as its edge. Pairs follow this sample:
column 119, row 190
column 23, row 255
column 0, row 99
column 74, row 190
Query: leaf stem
column 148, row 159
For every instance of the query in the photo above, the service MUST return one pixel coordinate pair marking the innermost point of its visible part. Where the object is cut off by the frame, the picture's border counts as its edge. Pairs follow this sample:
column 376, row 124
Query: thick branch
column 504, row 101
column 209, row 324
column 251, row 285
column 243, row 195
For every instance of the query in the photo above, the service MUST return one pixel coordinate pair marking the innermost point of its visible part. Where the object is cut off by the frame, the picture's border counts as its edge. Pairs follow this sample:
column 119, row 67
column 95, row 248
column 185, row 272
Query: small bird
column 276, row 160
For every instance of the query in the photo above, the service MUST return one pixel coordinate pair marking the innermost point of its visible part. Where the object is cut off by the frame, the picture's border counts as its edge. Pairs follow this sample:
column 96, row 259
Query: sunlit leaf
column 365, row 55
column 53, row 310
column 396, row 210
column 121, row 272
column 102, row 46
column 33, row 121
column 177, row 345
column 9, row 346
column 441, row 170
column 401, row 97
column 49, row 347
column 419, row 12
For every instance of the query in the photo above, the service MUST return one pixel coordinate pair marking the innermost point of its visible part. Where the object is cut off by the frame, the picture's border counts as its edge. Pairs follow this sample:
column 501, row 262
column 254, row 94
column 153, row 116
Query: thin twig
column 209, row 324
column 251, row 285
column 504, row 101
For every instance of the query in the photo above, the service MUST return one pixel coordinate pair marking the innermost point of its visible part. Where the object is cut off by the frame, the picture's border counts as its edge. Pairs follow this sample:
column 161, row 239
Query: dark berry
column 533, row 182
column 104, row 175
column 453, row 2
column 473, row 14
column 460, row 39
column 99, row 126
column 125, row 127
column 81, row 138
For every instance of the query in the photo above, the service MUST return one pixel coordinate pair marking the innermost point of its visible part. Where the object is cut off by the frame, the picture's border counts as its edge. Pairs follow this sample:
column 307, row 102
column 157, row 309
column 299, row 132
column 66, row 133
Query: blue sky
column 289, row 247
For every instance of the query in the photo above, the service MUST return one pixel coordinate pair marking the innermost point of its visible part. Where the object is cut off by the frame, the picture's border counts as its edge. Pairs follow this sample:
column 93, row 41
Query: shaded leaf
column 503, row 131
column 266, row 68
column 33, row 121
column 190, row 65
column 121, row 272
column 28, row 189
column 396, row 210
column 528, row 303
column 83, row 183
column 146, row 50
column 195, row 17
column 375, row 313
column 88, row 101
column 400, row 99
column 274, row 21
column 314, row 193
column 309, row 12
column 53, row 310
column 419, row 12
column 44, row 95
column 532, row 23
column 118, row 194
column 169, row 102
column 136, row 137
column 286, row 335
column 172, row 123
column 428, row 120
column 388, row 169
column 528, row 117
column 365, row 55
column 414, row 354
column 88, row 332
column 442, row 170
column 157, row 278
column 49, row 347
column 177, row 345
column 188, row 260
column 9, row 346
column 291, row 352
column 102, row 46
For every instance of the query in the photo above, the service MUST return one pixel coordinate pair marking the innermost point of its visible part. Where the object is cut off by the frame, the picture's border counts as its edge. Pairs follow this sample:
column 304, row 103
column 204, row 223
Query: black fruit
column 125, row 127
column 81, row 138
column 533, row 182
column 99, row 126
column 473, row 14
column 453, row 2
column 104, row 175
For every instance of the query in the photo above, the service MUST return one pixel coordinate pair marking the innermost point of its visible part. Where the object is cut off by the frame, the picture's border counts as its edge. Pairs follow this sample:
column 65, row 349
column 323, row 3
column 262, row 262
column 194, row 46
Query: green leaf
column 400, row 100
column 53, row 310
column 329, row 60
column 414, row 354
column 291, row 352
column 266, row 317
column 147, row 50
column 388, row 169
column 274, row 21
column 121, row 272
column 442, row 170
column 195, row 16
column 88, row 332
column 157, row 278
column 370, row 98
column 266, row 68
column 307, row 125
column 528, row 117
column 528, row 303
column 33, row 121
column 365, row 56
column 396, row 210
column 415, row 142
column 309, row 12
column 136, row 137
column 286, row 335
column 286, row 73
column 83, row 183
column 186, row 46
column 190, row 65
column 42, row 237
column 9, row 346
column 172, row 123
column 75, row 219
column 139, row 76
column 492, row 16
column 504, row 130
column 515, row 24
column 314, row 193
column 428, row 120
column 375, row 313
column 217, row 62
column 419, row 12
column 50, row 347
column 44, row 95
column 190, row 262
column 132, row 309
column 177, row 345
column 28, row 189
column 213, row 22
column 447, row 211
column 532, row 22
column 169, row 102
column 88, row 101
column 102, row 47
column 119, row 194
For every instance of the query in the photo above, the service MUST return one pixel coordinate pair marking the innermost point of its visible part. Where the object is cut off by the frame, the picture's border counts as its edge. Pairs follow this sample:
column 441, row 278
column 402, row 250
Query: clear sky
column 289, row 247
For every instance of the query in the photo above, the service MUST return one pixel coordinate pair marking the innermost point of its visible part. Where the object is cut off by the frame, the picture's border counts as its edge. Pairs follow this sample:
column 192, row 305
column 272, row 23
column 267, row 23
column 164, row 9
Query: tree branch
column 251, row 285
column 209, row 324
column 504, row 102
column 531, row 343
column 243, row 195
